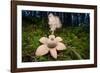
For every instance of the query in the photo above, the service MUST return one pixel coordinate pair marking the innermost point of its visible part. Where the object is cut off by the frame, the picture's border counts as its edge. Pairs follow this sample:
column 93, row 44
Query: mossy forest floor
column 75, row 39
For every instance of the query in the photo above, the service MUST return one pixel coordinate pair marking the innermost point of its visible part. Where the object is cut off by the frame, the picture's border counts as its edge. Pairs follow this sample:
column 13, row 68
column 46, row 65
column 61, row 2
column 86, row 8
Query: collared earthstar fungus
column 51, row 43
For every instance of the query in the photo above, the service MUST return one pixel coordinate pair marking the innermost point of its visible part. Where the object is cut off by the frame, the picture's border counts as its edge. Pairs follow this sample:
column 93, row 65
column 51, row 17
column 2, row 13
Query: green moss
column 75, row 39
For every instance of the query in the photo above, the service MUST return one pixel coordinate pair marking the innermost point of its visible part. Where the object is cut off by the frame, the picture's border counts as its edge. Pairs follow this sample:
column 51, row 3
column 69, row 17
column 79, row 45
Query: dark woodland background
column 67, row 19
column 74, row 31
